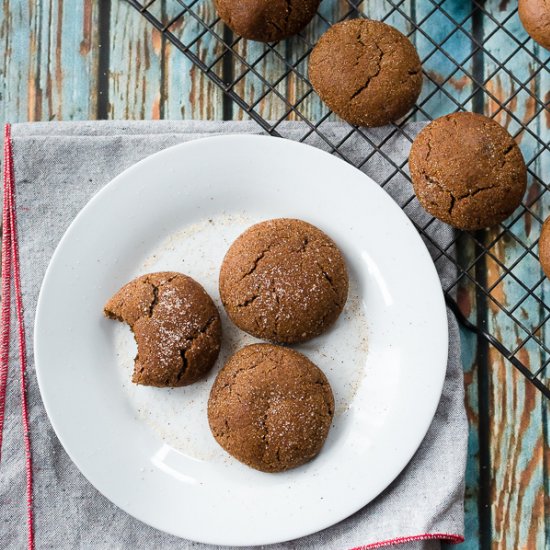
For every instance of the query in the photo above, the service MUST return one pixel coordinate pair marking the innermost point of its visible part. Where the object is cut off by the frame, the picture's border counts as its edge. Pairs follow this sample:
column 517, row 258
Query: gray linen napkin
column 58, row 167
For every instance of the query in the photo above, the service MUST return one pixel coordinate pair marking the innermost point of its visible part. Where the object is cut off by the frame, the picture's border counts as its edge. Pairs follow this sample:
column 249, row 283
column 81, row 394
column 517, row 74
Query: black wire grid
column 476, row 56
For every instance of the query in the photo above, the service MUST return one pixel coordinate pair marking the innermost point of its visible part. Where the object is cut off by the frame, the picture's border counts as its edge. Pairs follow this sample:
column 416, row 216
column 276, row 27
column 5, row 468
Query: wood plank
column 543, row 168
column 73, row 43
column 150, row 77
column 189, row 93
column 451, row 66
column 135, row 66
column 516, row 407
column 49, row 55
column 253, row 83
column 16, row 29
column 466, row 299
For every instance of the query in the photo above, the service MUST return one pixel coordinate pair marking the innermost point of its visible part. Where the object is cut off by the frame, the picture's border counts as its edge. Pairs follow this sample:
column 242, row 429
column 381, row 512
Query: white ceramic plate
column 150, row 450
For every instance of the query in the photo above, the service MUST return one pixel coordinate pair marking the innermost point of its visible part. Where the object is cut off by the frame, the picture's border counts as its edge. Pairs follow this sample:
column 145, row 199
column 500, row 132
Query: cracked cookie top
column 176, row 326
column 270, row 407
column 366, row 71
column 283, row 280
column 467, row 170
column 535, row 16
column 266, row 20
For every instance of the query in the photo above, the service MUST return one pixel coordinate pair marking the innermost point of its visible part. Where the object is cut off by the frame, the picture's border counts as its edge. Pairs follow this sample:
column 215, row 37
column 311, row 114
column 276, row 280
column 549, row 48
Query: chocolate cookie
column 367, row 72
column 176, row 325
column 467, row 171
column 271, row 408
column 283, row 280
column 544, row 247
column 266, row 20
column 535, row 16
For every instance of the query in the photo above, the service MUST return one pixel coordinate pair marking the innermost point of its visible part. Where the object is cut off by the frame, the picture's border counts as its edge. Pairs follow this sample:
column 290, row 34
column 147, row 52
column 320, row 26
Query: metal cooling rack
column 477, row 57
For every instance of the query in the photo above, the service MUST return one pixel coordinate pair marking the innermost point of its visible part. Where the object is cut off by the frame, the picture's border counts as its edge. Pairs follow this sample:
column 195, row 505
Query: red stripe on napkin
column 5, row 291
column 453, row 539
column 10, row 264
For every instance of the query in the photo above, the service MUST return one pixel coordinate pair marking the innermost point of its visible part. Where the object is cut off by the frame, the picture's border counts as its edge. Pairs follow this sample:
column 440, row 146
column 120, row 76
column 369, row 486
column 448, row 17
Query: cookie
column 176, row 326
column 467, row 170
column 266, row 20
column 367, row 72
column 535, row 16
column 271, row 408
column 283, row 280
column 544, row 247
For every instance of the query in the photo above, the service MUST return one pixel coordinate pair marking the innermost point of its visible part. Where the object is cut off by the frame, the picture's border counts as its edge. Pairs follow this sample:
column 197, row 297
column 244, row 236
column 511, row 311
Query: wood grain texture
column 135, row 66
column 48, row 67
column 517, row 445
column 18, row 40
column 466, row 299
column 543, row 168
column 188, row 93
column 449, row 66
column 148, row 77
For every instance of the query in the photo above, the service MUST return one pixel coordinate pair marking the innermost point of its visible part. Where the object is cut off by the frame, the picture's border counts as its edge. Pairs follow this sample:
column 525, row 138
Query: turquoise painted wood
column 446, row 56
column 48, row 68
column 471, row 501
column 187, row 92
column 516, row 440
column 52, row 66
column 135, row 69
column 543, row 168
column 466, row 299
column 15, row 38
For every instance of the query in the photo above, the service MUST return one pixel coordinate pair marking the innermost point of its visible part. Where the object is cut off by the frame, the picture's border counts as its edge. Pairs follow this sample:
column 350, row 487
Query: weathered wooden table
column 80, row 59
